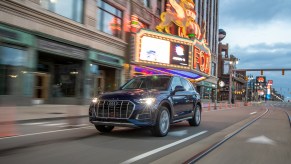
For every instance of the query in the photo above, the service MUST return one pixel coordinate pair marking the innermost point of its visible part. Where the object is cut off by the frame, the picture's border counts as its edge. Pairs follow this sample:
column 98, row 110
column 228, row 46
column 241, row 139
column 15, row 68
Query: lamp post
column 232, row 62
column 230, row 83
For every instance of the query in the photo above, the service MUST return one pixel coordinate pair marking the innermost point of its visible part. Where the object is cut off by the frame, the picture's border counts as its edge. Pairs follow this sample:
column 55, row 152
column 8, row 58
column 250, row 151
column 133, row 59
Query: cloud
column 254, row 11
column 264, row 56
column 258, row 34
column 247, row 34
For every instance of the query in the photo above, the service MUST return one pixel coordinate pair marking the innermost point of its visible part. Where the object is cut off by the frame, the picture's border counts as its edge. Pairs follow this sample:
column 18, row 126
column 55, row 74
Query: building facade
column 229, row 79
column 60, row 51
column 68, row 51
column 207, row 11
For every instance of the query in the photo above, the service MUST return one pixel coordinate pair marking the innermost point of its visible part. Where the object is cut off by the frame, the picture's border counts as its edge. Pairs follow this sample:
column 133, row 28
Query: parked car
column 154, row 101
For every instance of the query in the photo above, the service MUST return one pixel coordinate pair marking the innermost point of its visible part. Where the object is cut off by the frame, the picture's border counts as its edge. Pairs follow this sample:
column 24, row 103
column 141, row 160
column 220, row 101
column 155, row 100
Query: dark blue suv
column 154, row 101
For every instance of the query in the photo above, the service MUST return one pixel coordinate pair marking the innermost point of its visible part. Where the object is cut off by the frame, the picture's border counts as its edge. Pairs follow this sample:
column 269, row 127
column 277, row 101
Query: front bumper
column 141, row 116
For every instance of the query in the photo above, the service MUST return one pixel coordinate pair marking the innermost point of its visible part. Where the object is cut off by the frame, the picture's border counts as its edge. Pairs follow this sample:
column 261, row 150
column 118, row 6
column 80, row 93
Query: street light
column 232, row 62
column 221, row 34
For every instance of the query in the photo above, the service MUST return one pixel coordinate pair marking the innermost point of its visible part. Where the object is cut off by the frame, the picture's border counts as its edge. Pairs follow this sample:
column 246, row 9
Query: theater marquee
column 162, row 50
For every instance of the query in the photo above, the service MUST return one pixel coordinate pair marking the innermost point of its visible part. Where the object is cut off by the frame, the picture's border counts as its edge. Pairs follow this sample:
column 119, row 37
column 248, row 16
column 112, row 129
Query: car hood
column 129, row 94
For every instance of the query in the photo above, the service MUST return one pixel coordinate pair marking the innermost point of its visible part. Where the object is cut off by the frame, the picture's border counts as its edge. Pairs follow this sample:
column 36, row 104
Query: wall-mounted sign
column 201, row 60
column 179, row 54
column 61, row 48
column 261, row 79
column 159, row 49
column 155, row 50
column 270, row 82
column 162, row 50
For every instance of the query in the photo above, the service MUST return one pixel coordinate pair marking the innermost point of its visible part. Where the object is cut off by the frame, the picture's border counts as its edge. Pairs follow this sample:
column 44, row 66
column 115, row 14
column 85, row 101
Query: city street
column 145, row 81
column 58, row 142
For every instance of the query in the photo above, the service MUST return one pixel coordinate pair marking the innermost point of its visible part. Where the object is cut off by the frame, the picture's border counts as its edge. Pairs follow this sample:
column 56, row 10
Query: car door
column 179, row 99
column 190, row 93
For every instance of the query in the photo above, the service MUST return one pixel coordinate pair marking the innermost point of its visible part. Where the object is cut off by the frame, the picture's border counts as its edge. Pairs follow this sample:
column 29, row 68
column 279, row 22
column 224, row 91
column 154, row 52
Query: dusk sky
column 259, row 34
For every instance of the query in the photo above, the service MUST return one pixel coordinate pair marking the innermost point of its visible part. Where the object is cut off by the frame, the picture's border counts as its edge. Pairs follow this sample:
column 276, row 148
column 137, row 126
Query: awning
column 157, row 70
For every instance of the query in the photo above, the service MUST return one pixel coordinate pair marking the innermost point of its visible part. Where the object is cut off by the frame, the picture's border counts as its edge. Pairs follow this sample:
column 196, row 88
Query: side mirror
column 179, row 88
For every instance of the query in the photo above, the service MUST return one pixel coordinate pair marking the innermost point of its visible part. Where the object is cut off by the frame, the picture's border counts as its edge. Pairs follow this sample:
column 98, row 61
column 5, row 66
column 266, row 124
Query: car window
column 150, row 82
column 176, row 81
column 186, row 85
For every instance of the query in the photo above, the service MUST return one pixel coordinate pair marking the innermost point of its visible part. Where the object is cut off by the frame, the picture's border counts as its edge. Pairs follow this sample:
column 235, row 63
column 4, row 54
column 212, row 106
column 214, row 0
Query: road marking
column 56, row 124
column 178, row 133
column 261, row 140
column 35, row 123
column 134, row 159
column 33, row 134
column 253, row 113
column 68, row 125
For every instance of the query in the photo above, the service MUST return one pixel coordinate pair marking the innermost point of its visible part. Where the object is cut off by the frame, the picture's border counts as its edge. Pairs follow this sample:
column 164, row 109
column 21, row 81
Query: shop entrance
column 98, row 84
column 60, row 79
column 41, row 86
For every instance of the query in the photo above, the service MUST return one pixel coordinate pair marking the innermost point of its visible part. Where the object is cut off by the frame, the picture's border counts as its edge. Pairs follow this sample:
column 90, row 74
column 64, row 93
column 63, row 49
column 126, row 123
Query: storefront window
column 207, row 93
column 94, row 69
column 72, row 9
column 66, row 80
column 109, row 19
column 12, row 62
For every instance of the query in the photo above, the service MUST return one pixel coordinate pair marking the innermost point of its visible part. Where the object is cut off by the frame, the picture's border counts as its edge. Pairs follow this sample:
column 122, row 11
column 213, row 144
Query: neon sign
column 201, row 60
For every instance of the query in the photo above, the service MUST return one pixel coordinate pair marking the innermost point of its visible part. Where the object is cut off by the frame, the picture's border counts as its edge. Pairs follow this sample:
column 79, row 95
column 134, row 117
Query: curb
column 44, row 119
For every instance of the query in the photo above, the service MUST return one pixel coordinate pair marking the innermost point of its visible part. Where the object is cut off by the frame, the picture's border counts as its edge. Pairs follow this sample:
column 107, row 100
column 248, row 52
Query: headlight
column 148, row 101
column 94, row 100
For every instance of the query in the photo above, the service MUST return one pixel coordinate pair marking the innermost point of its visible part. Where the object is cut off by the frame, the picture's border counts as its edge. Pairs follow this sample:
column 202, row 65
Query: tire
column 104, row 128
column 196, row 119
column 162, row 126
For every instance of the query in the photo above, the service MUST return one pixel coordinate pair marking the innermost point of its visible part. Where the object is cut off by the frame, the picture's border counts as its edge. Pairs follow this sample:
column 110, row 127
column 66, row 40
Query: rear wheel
column 163, row 123
column 196, row 119
column 104, row 128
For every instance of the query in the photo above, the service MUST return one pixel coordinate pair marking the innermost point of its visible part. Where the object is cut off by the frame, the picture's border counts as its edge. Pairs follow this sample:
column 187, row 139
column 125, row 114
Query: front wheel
column 163, row 123
column 196, row 119
column 104, row 128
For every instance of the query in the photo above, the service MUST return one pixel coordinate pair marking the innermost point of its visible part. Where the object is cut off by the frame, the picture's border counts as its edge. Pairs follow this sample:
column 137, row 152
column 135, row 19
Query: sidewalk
column 42, row 112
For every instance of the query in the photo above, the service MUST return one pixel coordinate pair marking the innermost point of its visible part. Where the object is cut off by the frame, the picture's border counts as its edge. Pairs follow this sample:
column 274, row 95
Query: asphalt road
column 266, row 141
column 58, row 142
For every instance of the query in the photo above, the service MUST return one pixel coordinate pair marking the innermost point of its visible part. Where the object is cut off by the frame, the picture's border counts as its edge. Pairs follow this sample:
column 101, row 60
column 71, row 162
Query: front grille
column 118, row 109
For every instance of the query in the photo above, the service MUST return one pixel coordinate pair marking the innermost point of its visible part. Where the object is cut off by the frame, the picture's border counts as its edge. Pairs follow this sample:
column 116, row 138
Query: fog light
column 143, row 116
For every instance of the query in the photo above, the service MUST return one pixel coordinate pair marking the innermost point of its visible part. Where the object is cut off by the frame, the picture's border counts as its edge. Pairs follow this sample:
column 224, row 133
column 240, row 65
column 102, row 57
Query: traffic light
column 283, row 72
column 262, row 72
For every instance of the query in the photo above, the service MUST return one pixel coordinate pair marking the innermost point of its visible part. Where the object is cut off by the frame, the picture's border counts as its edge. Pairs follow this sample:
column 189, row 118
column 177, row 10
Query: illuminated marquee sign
column 201, row 60
column 179, row 54
column 261, row 79
column 152, row 48
column 163, row 51
column 155, row 50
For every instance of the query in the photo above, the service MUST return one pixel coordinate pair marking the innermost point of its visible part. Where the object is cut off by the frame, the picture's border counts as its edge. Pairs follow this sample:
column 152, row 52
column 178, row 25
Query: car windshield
column 149, row 82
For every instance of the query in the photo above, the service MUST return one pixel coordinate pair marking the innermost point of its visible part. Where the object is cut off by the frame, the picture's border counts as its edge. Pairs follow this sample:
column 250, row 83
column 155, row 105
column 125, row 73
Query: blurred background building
column 232, row 84
column 68, row 51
